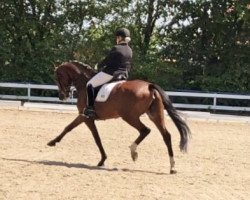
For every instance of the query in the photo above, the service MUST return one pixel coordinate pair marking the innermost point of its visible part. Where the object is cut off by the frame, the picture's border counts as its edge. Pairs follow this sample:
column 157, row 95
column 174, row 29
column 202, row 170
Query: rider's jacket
column 118, row 60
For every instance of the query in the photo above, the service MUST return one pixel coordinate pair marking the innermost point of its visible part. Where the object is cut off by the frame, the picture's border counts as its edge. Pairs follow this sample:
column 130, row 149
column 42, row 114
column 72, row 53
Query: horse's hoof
column 52, row 143
column 172, row 171
column 100, row 164
column 134, row 156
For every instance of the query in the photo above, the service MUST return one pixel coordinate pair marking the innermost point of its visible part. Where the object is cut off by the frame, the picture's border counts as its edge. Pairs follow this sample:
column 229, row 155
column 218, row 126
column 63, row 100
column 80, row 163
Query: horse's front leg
column 93, row 129
column 78, row 120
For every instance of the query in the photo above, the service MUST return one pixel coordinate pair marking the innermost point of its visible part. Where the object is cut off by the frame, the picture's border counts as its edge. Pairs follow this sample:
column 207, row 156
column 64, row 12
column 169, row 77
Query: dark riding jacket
column 118, row 61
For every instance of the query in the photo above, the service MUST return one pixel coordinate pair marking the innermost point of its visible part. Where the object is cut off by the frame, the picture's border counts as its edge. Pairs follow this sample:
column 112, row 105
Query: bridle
column 64, row 90
column 77, row 83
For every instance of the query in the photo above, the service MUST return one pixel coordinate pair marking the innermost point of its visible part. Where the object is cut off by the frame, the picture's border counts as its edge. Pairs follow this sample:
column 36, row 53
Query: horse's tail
column 178, row 121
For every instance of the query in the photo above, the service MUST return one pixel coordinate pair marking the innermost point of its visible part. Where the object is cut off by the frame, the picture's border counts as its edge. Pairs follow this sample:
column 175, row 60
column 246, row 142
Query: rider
column 117, row 62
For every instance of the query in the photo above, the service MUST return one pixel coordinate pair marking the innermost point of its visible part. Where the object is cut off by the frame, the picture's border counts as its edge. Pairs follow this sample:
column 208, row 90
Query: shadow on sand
column 82, row 166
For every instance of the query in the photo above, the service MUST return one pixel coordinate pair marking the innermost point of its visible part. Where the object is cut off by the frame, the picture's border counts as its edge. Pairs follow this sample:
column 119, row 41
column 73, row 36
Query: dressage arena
column 217, row 166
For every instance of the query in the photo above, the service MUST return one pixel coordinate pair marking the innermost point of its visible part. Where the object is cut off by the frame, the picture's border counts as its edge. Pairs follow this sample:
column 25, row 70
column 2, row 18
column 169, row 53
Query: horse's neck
column 81, row 95
column 81, row 81
column 80, row 84
column 85, row 69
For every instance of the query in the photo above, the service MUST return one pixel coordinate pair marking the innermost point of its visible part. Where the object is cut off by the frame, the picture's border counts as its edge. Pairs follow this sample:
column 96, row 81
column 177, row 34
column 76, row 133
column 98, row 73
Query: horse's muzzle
column 63, row 97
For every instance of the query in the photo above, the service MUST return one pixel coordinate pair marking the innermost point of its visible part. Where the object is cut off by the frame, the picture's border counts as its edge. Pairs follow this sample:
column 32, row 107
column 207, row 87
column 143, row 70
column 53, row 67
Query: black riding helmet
column 123, row 32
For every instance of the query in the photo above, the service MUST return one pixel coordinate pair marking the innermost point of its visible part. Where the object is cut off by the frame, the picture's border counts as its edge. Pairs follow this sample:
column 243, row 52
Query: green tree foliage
column 36, row 34
column 210, row 42
column 30, row 35
column 202, row 45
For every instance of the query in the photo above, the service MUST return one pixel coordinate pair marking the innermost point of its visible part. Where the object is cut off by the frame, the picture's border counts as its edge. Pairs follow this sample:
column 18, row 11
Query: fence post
column 215, row 102
column 29, row 92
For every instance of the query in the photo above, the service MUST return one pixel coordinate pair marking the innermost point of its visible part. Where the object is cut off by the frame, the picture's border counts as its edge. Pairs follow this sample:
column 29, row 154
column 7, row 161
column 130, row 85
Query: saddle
column 102, row 93
column 105, row 90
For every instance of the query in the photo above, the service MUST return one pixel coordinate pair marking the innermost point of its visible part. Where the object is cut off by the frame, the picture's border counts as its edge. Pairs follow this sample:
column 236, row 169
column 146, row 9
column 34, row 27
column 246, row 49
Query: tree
column 202, row 45
column 31, row 39
column 209, row 43
column 36, row 34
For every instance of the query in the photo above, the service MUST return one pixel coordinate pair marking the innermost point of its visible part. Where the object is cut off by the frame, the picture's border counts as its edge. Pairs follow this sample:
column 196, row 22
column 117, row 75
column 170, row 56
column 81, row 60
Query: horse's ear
column 56, row 65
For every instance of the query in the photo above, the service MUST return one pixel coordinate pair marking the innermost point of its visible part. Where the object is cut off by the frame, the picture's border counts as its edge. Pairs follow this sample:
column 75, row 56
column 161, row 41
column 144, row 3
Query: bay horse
column 128, row 100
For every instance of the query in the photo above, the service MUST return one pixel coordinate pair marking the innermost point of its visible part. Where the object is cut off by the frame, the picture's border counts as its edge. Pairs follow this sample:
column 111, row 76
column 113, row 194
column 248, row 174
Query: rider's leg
column 91, row 95
column 99, row 79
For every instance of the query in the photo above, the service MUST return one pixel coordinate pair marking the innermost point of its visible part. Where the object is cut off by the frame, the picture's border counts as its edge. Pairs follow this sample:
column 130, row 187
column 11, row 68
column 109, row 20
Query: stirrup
column 89, row 112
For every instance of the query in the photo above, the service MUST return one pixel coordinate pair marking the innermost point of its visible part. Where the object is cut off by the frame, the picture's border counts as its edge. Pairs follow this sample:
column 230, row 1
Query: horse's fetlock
column 145, row 131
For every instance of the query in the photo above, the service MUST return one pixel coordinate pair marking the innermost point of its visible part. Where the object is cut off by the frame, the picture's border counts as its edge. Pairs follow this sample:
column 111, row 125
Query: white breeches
column 99, row 79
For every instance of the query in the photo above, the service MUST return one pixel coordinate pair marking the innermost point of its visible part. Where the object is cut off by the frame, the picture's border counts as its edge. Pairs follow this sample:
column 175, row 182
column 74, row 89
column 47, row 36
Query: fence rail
column 213, row 96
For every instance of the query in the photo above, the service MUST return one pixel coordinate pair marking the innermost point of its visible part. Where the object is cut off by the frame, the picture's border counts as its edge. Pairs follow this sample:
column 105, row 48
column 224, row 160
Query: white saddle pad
column 105, row 91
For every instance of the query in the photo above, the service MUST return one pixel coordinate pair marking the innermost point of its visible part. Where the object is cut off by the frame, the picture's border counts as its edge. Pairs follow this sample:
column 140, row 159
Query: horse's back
column 135, row 86
column 137, row 83
column 128, row 98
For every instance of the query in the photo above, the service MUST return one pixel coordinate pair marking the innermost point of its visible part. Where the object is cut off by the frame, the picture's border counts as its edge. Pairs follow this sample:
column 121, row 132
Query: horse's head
column 63, row 82
column 71, row 74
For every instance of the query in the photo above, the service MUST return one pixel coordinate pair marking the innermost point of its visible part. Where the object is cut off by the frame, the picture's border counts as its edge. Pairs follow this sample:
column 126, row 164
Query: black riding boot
column 89, row 111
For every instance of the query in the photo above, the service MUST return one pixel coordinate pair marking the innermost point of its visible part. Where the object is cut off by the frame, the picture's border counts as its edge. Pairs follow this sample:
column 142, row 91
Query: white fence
column 213, row 96
column 28, row 88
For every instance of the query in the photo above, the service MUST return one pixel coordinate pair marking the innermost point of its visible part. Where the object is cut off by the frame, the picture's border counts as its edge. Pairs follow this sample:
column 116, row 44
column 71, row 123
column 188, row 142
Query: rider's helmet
column 124, row 33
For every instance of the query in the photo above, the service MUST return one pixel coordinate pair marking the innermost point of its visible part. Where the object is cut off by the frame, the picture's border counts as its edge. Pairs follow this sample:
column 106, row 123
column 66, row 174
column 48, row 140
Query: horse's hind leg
column 156, row 114
column 143, row 130
column 67, row 129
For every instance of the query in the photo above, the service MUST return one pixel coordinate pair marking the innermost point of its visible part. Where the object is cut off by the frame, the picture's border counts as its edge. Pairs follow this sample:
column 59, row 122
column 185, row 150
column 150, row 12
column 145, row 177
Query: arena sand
column 217, row 166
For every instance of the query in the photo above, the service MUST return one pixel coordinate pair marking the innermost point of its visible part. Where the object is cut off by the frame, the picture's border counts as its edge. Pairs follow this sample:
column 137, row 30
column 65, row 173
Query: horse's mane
column 83, row 67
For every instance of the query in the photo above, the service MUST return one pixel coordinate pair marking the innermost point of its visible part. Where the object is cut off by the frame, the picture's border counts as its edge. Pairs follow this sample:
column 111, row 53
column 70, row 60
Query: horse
column 128, row 100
